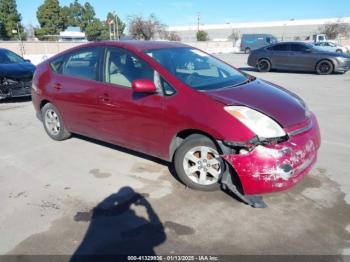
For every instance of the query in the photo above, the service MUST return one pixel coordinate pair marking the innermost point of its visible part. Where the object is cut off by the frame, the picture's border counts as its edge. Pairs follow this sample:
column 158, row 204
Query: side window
column 298, row 48
column 280, row 47
column 82, row 64
column 57, row 64
column 168, row 90
column 122, row 68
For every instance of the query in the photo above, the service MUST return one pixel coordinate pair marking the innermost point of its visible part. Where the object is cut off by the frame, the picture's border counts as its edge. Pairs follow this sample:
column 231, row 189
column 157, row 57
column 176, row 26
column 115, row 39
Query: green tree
column 9, row 19
column 97, row 31
column 73, row 14
column 50, row 18
column 88, row 15
column 202, row 36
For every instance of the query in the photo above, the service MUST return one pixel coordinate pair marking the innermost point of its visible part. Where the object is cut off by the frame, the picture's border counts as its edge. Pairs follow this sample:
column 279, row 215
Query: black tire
column 191, row 142
column 324, row 67
column 263, row 65
column 247, row 50
column 57, row 134
column 339, row 51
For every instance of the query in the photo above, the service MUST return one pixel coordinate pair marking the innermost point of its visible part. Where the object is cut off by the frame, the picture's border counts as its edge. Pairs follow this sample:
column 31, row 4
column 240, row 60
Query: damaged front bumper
column 271, row 168
column 15, row 88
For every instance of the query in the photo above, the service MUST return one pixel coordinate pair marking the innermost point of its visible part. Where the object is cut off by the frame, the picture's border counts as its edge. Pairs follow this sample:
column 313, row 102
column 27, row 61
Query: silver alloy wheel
column 202, row 165
column 52, row 122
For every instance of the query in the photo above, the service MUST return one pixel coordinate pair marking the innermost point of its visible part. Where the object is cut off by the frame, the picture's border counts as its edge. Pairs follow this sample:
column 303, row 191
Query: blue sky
column 184, row 12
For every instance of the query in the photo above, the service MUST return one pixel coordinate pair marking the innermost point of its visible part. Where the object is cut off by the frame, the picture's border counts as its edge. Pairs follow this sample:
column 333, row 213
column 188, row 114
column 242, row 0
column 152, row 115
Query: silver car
column 297, row 56
column 331, row 47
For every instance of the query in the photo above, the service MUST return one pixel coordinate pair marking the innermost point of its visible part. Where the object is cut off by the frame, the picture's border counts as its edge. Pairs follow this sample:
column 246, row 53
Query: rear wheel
column 263, row 65
column 198, row 163
column 53, row 123
column 339, row 51
column 324, row 67
column 247, row 50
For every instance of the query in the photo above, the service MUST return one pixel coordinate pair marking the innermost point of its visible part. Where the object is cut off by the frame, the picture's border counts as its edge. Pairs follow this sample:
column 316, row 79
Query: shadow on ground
column 16, row 100
column 115, row 228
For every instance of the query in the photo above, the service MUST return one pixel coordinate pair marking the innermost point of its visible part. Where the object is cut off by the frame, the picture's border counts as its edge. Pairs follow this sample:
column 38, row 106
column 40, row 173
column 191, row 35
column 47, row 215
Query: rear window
column 81, row 64
column 280, row 47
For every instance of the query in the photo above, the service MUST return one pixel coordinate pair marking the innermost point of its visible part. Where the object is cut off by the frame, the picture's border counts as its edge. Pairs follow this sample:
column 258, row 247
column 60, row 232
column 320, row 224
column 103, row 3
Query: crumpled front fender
column 277, row 167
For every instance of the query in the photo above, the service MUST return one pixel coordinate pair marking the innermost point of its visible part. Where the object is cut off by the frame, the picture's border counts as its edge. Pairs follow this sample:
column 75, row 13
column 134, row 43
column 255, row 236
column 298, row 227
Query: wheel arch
column 43, row 103
column 182, row 135
column 325, row 59
column 266, row 58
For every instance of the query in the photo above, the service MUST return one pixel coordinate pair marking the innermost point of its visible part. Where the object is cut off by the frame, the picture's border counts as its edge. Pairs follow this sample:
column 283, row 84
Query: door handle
column 107, row 101
column 57, row 86
column 104, row 98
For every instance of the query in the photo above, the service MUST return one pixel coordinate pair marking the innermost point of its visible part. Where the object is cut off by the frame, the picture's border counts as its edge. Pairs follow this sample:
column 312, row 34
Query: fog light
column 243, row 151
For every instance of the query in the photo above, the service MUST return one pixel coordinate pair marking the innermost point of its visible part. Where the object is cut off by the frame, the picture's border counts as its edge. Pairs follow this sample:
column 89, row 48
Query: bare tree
column 234, row 35
column 29, row 29
column 334, row 30
column 171, row 36
column 146, row 29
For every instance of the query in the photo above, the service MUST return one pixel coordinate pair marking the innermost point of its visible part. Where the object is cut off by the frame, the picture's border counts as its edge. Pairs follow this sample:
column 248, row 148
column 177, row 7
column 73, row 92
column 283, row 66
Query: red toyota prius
column 177, row 103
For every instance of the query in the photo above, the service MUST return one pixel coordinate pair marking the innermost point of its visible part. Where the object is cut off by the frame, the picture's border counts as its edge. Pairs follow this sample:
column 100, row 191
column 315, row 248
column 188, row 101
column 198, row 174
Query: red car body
column 151, row 124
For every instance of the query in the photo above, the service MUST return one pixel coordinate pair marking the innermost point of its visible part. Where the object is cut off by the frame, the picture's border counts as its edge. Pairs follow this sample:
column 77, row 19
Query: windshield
column 8, row 57
column 197, row 69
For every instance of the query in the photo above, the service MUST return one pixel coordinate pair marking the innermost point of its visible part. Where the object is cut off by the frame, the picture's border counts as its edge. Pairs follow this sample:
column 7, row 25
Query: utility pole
column 198, row 20
column 110, row 29
column 20, row 40
column 116, row 25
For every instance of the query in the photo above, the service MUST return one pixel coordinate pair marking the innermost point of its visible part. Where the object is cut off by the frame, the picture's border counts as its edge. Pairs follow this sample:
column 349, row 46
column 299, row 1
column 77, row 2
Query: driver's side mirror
column 27, row 60
column 143, row 86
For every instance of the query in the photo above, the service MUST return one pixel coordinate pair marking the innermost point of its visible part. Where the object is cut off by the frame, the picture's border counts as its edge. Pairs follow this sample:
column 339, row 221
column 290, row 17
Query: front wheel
column 324, row 67
column 198, row 163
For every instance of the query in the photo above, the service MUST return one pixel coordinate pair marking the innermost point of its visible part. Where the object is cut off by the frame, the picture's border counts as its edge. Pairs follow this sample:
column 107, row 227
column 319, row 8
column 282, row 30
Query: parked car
column 331, row 47
column 251, row 42
column 316, row 38
column 179, row 104
column 297, row 56
column 16, row 75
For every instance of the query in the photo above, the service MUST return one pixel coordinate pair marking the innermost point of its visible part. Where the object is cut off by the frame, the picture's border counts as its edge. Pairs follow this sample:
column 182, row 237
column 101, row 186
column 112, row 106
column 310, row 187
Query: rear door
column 129, row 119
column 74, row 89
column 280, row 56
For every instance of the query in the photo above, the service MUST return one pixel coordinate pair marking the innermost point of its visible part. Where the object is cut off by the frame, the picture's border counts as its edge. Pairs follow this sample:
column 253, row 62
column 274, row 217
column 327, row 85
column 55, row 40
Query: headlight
column 262, row 125
column 342, row 59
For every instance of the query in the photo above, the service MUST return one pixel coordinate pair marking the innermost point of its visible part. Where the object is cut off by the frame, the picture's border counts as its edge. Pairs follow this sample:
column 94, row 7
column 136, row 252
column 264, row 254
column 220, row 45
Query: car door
column 301, row 57
column 129, row 119
column 280, row 56
column 74, row 89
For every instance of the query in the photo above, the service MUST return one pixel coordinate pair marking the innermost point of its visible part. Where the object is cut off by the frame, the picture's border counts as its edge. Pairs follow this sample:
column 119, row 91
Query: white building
column 72, row 34
column 286, row 30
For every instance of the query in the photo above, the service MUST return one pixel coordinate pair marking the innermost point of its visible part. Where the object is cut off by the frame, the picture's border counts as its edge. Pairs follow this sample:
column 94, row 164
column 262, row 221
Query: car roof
column 139, row 45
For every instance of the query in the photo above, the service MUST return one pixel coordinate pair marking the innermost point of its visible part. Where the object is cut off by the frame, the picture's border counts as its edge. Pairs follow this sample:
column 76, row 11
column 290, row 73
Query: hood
column 276, row 102
column 17, row 71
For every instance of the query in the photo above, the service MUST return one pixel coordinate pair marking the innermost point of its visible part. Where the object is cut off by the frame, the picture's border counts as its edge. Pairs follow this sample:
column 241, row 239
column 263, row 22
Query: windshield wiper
column 249, row 79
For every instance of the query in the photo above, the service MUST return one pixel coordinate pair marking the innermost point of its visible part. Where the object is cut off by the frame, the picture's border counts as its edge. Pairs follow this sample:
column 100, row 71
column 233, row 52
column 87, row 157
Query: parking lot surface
column 84, row 196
